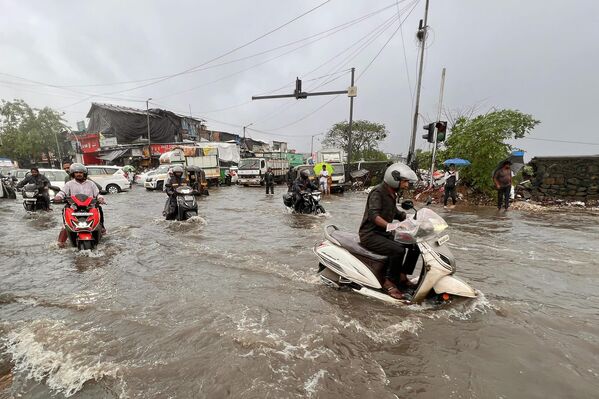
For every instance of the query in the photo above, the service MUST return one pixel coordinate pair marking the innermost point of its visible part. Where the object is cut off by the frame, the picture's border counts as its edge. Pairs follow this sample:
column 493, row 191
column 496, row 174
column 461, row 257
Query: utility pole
column 351, row 92
column 58, row 149
column 422, row 33
column 246, row 126
column 351, row 122
column 148, row 123
column 312, row 142
column 436, row 123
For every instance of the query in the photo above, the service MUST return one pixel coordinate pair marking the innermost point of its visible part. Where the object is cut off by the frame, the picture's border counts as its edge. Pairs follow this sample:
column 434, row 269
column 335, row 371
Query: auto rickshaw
column 197, row 179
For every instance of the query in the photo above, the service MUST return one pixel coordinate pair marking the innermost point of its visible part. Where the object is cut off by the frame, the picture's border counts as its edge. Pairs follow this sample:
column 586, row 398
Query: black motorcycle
column 182, row 204
column 33, row 198
column 309, row 202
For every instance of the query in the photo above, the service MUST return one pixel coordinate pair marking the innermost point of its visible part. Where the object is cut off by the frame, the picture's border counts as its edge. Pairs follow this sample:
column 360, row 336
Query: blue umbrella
column 457, row 162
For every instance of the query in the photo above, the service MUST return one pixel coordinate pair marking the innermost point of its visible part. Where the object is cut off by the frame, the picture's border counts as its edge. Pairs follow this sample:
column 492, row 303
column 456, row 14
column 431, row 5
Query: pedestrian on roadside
column 503, row 182
column 269, row 181
column 451, row 180
column 324, row 180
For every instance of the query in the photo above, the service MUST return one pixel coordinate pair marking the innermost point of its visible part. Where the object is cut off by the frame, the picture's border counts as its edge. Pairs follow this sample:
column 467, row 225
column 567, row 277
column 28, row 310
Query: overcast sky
column 538, row 56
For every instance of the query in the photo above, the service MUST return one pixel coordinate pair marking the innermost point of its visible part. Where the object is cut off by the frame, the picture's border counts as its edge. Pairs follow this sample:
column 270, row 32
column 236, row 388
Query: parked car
column 112, row 179
column 140, row 178
column 155, row 179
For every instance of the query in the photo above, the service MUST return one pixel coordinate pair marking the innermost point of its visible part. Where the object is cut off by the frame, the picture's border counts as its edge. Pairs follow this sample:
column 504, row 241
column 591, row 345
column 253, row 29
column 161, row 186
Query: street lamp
column 312, row 143
column 246, row 147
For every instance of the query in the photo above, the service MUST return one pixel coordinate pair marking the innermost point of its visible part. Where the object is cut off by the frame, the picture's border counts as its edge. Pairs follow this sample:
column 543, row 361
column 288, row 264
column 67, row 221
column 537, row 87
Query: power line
column 413, row 4
column 559, row 141
column 226, row 53
column 386, row 43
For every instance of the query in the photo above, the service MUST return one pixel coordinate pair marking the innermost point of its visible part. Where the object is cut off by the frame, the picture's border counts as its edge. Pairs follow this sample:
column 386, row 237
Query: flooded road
column 228, row 305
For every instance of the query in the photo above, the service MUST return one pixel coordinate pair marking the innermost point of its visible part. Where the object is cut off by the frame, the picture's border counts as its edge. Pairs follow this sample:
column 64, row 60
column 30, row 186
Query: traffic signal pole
column 437, row 122
column 299, row 94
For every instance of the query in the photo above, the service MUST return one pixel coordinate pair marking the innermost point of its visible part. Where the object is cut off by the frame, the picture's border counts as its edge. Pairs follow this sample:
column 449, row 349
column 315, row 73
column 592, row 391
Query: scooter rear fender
column 342, row 262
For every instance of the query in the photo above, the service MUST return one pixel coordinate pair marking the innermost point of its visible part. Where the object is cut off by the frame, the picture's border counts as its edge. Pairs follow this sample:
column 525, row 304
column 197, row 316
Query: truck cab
column 251, row 171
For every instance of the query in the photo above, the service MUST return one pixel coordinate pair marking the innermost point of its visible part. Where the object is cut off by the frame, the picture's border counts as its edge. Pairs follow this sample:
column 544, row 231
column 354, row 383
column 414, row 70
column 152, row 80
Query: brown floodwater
column 228, row 305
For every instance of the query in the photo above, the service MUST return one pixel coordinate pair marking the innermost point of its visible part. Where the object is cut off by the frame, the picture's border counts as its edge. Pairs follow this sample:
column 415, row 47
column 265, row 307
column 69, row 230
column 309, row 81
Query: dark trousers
column 45, row 199
column 503, row 195
column 449, row 192
column 395, row 251
column 270, row 186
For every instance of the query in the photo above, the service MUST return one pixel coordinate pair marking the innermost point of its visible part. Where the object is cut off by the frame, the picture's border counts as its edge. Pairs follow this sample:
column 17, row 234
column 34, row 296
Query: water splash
column 48, row 351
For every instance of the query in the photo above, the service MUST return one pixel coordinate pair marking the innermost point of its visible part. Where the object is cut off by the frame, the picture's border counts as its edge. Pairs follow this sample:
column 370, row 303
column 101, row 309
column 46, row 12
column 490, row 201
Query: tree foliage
column 28, row 133
column 483, row 141
column 366, row 137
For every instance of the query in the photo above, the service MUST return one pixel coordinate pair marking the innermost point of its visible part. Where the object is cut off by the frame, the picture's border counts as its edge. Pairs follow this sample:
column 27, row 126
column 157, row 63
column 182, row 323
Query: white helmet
column 398, row 172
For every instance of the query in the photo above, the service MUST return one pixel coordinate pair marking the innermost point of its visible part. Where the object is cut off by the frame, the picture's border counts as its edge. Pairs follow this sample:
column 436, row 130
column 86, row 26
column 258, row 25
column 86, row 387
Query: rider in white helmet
column 381, row 209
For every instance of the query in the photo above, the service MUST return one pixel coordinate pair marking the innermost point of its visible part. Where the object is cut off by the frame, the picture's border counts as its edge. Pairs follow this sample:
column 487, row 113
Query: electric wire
column 337, row 96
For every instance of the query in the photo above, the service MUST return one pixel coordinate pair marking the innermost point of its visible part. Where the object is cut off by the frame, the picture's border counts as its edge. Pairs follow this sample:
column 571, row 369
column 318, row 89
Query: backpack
column 450, row 181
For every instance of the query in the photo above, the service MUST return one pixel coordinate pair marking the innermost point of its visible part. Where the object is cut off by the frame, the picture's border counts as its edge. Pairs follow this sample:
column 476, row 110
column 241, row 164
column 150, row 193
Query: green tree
column 423, row 159
column 483, row 141
column 28, row 133
column 366, row 137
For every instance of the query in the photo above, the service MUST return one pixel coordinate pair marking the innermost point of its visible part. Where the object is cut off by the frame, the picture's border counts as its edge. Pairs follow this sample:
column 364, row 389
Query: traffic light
column 430, row 136
column 298, row 89
column 441, row 130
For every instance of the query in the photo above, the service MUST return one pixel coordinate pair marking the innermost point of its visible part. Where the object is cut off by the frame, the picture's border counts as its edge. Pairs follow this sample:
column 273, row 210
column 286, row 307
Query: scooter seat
column 351, row 242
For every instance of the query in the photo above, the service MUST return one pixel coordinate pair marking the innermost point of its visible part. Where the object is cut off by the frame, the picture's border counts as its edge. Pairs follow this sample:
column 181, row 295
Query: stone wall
column 572, row 178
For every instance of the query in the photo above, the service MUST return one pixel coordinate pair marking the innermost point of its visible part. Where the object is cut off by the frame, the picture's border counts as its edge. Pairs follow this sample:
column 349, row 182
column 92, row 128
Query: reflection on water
column 227, row 304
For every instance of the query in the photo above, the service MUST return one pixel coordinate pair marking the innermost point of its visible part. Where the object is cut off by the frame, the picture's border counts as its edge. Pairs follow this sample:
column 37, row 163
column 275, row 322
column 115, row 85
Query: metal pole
column 438, row 119
column 148, row 123
column 418, row 85
column 244, row 144
column 58, row 149
column 351, row 121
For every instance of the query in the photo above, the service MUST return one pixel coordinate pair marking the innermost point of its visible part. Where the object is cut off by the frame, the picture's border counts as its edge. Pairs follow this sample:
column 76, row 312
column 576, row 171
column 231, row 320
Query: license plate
column 443, row 240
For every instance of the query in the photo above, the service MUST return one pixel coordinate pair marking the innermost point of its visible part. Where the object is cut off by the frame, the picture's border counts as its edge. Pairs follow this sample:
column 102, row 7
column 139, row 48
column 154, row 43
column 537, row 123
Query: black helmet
column 77, row 167
column 177, row 169
column 305, row 174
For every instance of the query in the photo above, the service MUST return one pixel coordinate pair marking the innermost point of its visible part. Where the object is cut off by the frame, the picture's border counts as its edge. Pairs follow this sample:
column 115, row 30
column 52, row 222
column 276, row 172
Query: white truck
column 336, row 158
column 205, row 158
column 251, row 170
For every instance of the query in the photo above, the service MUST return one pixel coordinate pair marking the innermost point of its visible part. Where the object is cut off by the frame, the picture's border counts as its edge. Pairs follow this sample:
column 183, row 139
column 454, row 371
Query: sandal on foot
column 392, row 290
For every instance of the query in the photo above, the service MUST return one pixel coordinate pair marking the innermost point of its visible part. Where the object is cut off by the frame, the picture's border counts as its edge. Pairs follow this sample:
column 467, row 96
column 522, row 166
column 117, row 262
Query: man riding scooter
column 302, row 183
column 176, row 178
column 42, row 184
column 79, row 184
column 381, row 210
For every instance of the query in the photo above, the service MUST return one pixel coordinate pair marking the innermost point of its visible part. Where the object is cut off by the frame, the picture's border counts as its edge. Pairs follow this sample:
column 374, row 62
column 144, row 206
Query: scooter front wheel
column 85, row 245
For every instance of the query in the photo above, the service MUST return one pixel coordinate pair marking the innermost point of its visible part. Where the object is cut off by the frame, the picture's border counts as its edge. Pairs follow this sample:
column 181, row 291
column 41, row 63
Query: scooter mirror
column 407, row 204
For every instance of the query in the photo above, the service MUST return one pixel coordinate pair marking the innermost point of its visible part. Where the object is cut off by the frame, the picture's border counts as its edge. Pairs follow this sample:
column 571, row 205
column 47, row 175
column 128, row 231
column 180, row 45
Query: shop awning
column 112, row 155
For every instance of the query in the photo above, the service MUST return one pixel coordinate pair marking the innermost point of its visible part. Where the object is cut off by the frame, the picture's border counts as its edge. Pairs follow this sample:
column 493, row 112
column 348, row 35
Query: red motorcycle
column 81, row 218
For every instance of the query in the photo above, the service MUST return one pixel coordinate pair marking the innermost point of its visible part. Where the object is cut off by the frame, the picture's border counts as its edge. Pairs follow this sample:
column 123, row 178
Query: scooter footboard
column 454, row 286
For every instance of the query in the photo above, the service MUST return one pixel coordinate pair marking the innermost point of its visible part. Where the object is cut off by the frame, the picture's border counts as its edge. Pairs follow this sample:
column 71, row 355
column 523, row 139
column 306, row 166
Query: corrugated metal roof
column 135, row 111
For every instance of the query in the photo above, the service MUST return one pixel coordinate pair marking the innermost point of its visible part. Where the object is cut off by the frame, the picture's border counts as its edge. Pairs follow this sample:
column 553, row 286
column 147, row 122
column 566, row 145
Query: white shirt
column 73, row 187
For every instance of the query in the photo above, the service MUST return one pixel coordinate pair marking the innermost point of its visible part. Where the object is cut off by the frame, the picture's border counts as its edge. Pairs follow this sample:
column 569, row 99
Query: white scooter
column 345, row 263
